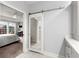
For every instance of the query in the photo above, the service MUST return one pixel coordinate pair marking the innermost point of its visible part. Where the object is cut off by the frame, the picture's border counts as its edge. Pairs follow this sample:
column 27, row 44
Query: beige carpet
column 11, row 50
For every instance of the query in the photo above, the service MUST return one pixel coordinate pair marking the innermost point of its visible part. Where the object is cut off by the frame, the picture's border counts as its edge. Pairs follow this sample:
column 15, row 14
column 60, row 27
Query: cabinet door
column 67, row 50
column 74, row 54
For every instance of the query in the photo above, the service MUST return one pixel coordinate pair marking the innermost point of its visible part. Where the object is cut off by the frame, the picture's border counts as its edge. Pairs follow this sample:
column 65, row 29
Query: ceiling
column 22, row 5
column 22, row 2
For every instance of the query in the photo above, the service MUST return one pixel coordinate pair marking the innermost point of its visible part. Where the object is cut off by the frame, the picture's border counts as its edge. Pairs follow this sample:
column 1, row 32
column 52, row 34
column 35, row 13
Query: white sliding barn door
column 35, row 32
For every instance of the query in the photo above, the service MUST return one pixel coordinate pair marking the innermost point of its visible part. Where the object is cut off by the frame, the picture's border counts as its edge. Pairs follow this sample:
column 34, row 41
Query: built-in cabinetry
column 71, row 48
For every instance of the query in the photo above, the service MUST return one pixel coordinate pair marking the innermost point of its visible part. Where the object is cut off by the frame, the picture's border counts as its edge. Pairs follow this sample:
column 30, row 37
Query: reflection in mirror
column 35, row 41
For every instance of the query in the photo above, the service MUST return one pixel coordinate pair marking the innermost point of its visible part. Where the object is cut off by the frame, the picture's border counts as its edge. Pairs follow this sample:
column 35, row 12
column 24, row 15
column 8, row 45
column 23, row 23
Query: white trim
column 38, row 30
column 2, row 2
column 29, row 31
column 52, row 55
column 42, row 32
column 21, row 54
column 46, row 53
column 40, row 24
column 25, row 37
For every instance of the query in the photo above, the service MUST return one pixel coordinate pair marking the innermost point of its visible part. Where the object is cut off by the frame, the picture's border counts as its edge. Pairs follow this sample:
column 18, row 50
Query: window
column 7, row 27
column 12, row 27
column 3, row 29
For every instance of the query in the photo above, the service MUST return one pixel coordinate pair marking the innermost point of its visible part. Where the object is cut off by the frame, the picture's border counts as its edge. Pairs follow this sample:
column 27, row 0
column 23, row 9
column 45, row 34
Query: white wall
column 55, row 30
column 56, row 27
column 75, row 20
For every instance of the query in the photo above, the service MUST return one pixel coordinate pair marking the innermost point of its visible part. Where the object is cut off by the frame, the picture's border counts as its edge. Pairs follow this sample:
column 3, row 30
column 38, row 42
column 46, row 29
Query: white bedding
column 7, row 39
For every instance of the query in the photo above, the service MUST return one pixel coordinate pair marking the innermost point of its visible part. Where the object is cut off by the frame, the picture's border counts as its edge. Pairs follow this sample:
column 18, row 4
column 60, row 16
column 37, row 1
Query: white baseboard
column 52, row 55
column 22, row 53
column 46, row 53
column 25, row 50
column 61, row 56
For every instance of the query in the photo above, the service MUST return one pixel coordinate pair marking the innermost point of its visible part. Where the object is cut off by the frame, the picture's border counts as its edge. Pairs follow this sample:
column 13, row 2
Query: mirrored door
column 35, row 32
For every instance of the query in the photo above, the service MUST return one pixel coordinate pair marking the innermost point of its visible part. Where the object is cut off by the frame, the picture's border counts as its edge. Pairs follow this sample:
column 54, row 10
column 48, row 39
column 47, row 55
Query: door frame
column 42, row 38
column 25, row 41
column 30, row 31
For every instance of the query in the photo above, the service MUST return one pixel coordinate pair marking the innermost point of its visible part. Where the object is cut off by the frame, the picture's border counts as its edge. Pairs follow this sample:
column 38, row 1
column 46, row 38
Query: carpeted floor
column 11, row 50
